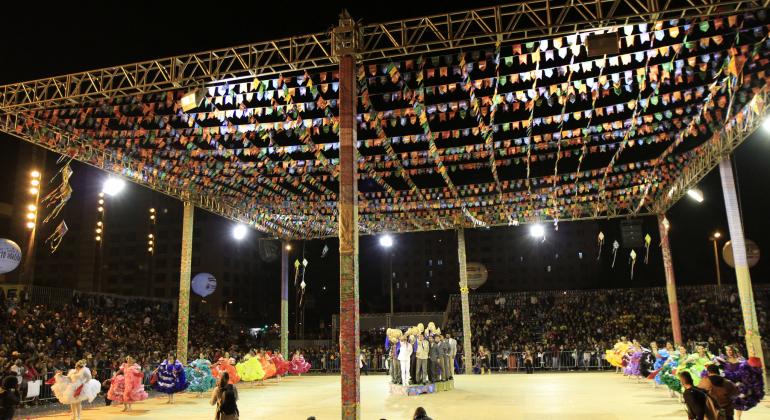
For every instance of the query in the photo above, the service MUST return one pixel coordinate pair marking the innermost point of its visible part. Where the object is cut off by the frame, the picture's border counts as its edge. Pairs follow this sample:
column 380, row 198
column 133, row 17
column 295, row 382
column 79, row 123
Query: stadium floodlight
column 386, row 241
column 537, row 231
column 239, row 232
column 695, row 194
column 113, row 186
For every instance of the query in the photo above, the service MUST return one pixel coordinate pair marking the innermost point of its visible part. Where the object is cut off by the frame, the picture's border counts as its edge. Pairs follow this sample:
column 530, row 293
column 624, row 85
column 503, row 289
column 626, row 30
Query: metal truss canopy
column 516, row 22
column 488, row 117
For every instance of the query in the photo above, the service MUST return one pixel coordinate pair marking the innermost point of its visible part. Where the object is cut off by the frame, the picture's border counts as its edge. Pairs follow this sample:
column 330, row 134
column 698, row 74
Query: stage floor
column 581, row 396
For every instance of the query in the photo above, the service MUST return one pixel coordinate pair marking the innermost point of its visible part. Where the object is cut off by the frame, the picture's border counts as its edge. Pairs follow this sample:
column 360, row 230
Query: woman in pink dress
column 127, row 387
column 298, row 364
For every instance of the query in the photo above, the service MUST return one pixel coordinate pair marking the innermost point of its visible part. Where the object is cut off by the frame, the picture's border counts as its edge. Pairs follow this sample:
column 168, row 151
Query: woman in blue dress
column 171, row 378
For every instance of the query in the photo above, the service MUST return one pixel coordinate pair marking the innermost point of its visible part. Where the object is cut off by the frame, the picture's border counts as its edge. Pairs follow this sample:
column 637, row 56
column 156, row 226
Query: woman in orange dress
column 267, row 365
column 224, row 365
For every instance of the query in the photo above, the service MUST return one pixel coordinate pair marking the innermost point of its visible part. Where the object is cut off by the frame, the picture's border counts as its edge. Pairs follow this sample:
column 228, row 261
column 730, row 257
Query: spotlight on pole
column 35, row 174
column 695, row 194
column 717, row 235
column 537, row 231
column 239, row 232
column 288, row 247
column 113, row 186
column 386, row 241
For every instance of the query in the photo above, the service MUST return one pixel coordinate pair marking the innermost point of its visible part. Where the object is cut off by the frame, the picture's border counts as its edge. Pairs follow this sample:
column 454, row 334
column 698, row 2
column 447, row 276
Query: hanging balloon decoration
column 204, row 284
column 324, row 250
column 615, row 247
column 647, row 240
column 10, row 256
column 601, row 243
column 633, row 262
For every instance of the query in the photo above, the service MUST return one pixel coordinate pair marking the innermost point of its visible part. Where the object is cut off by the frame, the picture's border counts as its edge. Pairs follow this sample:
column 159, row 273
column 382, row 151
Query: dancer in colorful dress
column 668, row 377
column 77, row 386
column 281, row 365
column 298, row 364
column 126, row 387
column 267, row 365
column 633, row 358
column 696, row 363
column 250, row 369
column 171, row 378
column 224, row 365
column 747, row 377
column 615, row 355
column 199, row 374
column 661, row 357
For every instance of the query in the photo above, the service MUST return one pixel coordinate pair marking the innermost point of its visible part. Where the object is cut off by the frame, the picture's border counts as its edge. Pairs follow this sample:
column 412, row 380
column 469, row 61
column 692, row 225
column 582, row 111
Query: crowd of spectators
column 37, row 340
column 549, row 322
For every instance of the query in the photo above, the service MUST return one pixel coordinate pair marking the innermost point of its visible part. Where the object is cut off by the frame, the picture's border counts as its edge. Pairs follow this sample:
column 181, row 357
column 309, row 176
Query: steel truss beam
column 515, row 22
column 12, row 124
column 720, row 145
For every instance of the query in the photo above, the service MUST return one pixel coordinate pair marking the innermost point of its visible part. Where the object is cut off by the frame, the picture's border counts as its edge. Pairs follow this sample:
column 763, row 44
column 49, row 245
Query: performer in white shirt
column 404, row 354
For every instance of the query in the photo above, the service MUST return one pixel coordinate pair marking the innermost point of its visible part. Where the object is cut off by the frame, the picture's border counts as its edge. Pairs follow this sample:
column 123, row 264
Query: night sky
column 42, row 41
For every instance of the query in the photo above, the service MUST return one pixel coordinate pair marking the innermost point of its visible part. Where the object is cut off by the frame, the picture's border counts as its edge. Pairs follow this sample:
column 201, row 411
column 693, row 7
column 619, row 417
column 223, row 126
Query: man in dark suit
column 434, row 355
column 694, row 398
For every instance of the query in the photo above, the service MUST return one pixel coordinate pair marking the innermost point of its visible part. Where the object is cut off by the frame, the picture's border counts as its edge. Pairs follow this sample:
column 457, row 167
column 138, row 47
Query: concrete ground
column 579, row 396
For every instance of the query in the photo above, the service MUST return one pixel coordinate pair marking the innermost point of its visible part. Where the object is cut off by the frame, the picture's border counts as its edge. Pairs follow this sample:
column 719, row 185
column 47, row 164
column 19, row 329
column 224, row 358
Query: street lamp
column 386, row 241
column 714, row 238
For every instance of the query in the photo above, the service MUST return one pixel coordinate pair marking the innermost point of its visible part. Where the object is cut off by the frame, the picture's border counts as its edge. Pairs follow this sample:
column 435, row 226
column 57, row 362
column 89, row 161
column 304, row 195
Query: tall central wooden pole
column 345, row 45
column 466, row 311
column 668, row 265
column 183, row 319
column 285, row 299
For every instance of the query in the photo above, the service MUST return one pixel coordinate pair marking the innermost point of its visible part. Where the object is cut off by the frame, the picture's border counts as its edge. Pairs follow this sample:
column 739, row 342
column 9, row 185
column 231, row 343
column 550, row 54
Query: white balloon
column 10, row 256
column 204, row 284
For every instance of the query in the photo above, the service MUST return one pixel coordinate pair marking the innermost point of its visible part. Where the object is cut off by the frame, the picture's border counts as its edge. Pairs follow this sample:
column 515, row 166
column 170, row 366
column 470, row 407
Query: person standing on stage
column 404, row 355
column 423, row 348
column 433, row 357
column 452, row 354
column 447, row 358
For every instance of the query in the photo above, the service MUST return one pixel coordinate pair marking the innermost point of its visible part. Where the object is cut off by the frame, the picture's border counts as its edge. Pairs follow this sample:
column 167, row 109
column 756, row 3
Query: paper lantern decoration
column 204, row 284
column 477, row 275
column 10, row 256
column 752, row 253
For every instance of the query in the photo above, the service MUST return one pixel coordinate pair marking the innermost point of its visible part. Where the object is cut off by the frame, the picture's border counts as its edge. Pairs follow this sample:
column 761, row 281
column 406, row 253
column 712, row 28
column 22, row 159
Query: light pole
column 386, row 241
column 28, row 271
column 714, row 238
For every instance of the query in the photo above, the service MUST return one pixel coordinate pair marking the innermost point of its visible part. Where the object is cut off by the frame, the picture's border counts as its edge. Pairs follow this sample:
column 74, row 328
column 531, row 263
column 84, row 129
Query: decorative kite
column 633, row 262
column 615, row 246
column 601, row 243
column 60, row 195
column 647, row 240
column 57, row 236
